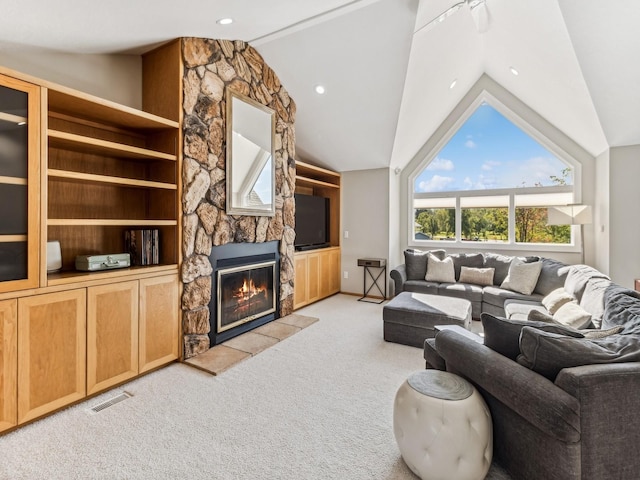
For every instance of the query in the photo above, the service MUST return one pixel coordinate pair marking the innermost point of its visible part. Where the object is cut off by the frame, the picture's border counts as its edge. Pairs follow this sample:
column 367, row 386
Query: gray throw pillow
column 552, row 276
column 538, row 316
column 474, row 260
column 503, row 335
column 547, row 353
column 416, row 262
column 500, row 263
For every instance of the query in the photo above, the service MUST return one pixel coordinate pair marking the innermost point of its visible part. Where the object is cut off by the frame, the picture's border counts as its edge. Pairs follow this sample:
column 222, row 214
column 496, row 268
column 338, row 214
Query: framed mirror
column 250, row 157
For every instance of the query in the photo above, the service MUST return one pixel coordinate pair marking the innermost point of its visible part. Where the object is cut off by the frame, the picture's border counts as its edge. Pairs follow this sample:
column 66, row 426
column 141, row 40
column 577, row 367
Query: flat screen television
column 312, row 222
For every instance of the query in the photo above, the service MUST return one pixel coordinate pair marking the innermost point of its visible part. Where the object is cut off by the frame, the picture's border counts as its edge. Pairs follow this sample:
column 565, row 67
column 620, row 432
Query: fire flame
column 248, row 290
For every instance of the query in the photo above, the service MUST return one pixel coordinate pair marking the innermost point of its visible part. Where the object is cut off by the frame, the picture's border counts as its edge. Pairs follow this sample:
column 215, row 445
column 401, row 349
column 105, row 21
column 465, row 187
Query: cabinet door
column 51, row 352
column 334, row 271
column 8, row 364
column 159, row 321
column 313, row 277
column 112, row 335
column 19, row 184
column 325, row 274
column 300, row 293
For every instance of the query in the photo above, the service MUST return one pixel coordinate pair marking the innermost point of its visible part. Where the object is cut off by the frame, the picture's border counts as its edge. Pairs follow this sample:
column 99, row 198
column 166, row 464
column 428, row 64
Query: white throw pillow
column 572, row 315
column 440, row 270
column 556, row 299
column 477, row 276
column 522, row 277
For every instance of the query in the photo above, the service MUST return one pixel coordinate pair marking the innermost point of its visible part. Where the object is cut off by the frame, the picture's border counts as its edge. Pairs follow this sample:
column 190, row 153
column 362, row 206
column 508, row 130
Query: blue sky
column 489, row 152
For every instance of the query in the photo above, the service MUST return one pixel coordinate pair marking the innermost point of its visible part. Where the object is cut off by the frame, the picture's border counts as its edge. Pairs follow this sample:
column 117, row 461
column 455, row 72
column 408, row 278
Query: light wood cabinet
column 19, row 184
column 112, row 334
column 159, row 321
column 8, row 364
column 51, row 352
column 317, row 275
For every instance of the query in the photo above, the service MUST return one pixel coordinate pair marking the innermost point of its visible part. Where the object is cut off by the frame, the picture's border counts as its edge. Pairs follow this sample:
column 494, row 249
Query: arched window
column 491, row 182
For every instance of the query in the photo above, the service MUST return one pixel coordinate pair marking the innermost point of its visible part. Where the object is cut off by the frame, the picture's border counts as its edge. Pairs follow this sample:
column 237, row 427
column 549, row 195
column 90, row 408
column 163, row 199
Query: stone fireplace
column 245, row 281
column 211, row 67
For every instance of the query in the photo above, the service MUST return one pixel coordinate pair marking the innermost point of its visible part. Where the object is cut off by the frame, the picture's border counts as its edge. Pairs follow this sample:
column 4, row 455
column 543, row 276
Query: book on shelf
column 143, row 245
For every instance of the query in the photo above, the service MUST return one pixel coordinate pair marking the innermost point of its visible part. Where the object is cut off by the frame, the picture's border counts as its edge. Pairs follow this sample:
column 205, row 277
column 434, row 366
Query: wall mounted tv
column 312, row 222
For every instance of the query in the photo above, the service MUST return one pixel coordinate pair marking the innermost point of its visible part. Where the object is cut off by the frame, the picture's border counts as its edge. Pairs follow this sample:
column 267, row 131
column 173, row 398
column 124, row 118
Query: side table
column 368, row 264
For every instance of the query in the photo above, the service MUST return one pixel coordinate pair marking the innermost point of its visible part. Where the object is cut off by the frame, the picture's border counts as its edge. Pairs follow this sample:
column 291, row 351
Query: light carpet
column 317, row 405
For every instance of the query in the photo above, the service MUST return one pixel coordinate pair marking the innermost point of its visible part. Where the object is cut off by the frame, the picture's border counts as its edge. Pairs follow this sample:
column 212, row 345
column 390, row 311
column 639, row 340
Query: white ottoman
column 443, row 427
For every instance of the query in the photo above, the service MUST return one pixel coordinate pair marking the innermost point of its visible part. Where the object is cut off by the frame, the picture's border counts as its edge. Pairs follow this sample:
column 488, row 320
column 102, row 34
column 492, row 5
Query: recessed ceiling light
column 514, row 71
column 319, row 89
column 224, row 21
column 453, row 84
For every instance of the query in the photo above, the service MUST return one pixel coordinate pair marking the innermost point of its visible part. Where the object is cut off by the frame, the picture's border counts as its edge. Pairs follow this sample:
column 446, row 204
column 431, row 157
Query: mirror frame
column 235, row 209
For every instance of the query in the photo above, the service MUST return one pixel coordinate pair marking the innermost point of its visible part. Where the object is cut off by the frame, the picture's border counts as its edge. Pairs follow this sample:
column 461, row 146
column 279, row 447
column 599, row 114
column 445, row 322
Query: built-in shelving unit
column 318, row 271
column 109, row 168
column 81, row 170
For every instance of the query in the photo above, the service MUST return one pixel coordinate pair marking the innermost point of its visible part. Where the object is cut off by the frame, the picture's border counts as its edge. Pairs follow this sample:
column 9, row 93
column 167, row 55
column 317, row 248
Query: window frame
column 511, row 244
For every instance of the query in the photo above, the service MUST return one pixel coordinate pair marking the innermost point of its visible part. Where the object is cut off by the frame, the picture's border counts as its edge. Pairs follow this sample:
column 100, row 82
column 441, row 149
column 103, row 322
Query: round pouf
column 443, row 427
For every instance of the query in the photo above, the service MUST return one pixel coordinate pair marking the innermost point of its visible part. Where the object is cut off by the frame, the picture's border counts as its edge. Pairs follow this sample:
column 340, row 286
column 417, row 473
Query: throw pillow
column 475, row 260
column 556, row 299
column 440, row 270
column 597, row 333
column 416, row 262
column 572, row 315
column 522, row 277
column 547, row 353
column 477, row 276
column 502, row 335
column 538, row 316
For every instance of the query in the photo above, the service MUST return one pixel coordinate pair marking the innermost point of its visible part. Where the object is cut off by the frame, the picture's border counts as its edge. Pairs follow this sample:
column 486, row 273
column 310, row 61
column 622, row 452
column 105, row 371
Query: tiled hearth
column 225, row 355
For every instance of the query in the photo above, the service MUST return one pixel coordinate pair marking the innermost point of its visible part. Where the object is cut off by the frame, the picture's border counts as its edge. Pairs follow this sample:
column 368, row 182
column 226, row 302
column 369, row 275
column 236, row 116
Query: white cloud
column 489, row 165
column 467, row 182
column 470, row 144
column 441, row 164
column 436, row 184
column 535, row 170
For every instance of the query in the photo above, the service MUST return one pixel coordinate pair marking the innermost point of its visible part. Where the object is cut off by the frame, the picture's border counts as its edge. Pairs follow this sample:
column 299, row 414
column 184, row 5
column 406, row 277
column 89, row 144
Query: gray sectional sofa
column 410, row 277
column 564, row 401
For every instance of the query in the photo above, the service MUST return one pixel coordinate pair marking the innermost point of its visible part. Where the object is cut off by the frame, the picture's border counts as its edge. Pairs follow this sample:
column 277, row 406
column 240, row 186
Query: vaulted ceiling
column 387, row 79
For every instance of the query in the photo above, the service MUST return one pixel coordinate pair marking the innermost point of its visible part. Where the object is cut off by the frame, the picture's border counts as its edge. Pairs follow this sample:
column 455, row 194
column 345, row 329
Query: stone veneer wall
column 210, row 67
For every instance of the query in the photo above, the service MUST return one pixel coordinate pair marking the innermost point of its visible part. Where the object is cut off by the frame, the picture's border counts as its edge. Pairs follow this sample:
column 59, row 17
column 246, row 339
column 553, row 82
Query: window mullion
column 458, row 220
column 512, row 218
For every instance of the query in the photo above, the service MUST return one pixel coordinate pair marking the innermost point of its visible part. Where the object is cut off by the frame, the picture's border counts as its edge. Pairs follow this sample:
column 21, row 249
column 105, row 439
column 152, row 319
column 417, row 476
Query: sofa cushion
column 475, row 260
column 416, row 262
column 540, row 316
column 439, row 270
column 554, row 300
column 552, row 276
column 520, row 308
column 572, row 315
column 596, row 294
column 502, row 335
column 547, row 353
column 476, row 276
column 497, row 296
column 522, row 277
column 421, row 286
column 500, row 263
column 473, row 293
column 577, row 279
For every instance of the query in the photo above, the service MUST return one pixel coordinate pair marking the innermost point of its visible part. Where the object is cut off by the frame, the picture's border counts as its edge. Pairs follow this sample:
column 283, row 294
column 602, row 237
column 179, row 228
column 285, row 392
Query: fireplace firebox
column 245, row 280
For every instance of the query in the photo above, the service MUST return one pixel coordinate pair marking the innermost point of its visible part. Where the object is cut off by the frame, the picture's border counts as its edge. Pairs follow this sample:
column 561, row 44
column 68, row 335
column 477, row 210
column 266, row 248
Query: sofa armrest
column 609, row 397
column 532, row 396
column 399, row 276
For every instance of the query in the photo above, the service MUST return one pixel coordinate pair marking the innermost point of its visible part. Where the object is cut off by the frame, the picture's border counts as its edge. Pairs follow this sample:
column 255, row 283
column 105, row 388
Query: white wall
column 624, row 225
column 365, row 215
column 601, row 216
column 113, row 77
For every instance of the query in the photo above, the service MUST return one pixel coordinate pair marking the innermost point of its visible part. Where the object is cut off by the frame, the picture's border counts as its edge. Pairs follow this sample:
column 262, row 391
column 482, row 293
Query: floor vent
column 109, row 403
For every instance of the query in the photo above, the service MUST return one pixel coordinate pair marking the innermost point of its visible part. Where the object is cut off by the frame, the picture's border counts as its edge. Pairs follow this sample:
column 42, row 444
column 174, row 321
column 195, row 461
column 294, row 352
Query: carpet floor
column 317, row 405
